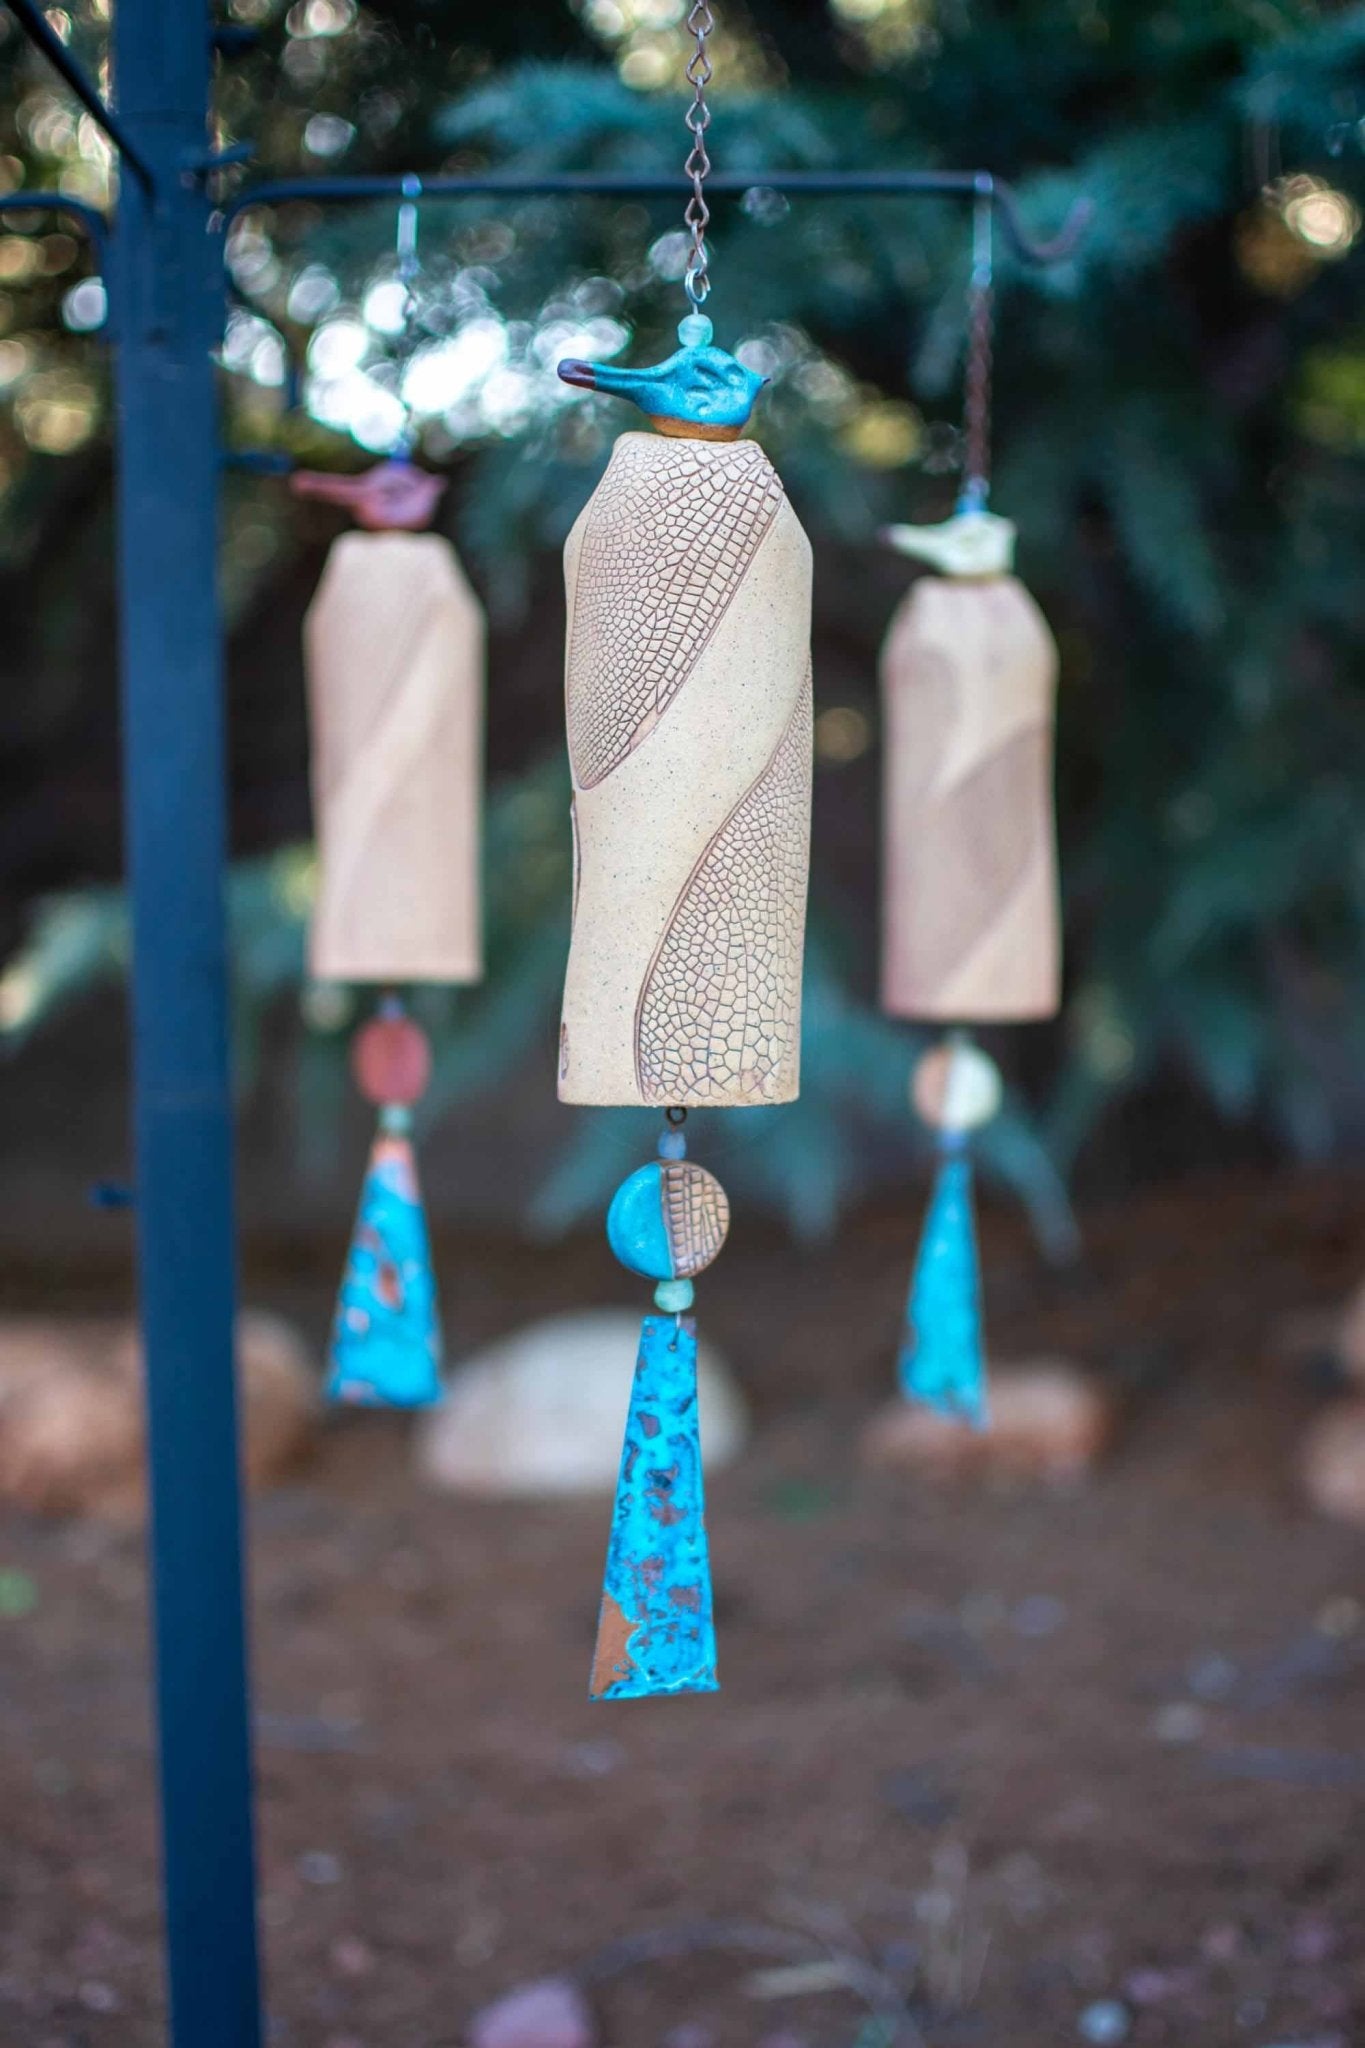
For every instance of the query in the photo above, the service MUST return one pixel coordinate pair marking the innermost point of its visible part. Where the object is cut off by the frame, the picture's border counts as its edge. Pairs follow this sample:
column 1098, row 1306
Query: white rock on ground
column 1331, row 1462
column 1348, row 1343
column 543, row 1411
column 552, row 2013
column 1048, row 1421
column 71, row 1418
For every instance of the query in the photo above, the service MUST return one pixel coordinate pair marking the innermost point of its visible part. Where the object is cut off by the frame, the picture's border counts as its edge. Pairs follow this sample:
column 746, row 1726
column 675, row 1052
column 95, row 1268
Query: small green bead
column 673, row 1296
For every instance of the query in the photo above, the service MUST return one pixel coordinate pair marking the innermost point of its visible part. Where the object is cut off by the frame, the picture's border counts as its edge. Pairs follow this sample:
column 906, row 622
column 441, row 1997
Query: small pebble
column 319, row 1866
column 1339, row 1616
column 691, row 2034
column 1041, row 1614
column 1179, row 1721
column 593, row 1759
column 352, row 1957
column 96, row 1997
column 1105, row 2023
column 1148, row 1987
column 1312, row 1941
column 1211, row 1677
column 935, row 1908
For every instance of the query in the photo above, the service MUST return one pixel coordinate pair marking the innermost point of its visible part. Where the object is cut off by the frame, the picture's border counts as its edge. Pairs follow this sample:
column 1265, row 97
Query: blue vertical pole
column 167, row 306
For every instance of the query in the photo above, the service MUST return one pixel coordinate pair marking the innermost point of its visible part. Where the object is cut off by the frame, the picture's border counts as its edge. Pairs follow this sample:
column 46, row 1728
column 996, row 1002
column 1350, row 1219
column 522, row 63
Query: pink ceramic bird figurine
column 393, row 497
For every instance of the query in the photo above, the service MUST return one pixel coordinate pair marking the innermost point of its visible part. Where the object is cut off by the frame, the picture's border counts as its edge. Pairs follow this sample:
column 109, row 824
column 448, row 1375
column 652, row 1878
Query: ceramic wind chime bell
column 395, row 671
column 971, row 929
column 688, row 704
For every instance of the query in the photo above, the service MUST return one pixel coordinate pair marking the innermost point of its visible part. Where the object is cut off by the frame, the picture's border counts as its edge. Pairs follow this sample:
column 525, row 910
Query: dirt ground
column 995, row 1768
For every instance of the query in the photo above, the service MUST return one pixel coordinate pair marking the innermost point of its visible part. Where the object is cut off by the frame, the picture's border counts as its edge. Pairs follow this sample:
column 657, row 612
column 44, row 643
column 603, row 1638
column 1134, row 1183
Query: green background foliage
column 1180, row 420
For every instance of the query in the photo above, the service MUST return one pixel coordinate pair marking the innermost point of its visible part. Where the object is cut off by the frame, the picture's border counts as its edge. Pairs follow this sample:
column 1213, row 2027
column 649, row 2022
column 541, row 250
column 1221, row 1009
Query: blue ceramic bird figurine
column 701, row 391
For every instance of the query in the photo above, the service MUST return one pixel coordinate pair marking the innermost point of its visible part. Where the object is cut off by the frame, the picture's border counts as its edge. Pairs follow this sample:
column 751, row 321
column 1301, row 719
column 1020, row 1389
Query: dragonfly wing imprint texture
column 719, row 1013
column 696, row 1216
column 667, row 547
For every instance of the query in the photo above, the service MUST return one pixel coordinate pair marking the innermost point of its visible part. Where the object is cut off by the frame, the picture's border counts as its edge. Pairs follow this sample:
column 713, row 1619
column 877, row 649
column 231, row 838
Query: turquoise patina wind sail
column 386, row 1339
column 656, row 1633
column 942, row 1359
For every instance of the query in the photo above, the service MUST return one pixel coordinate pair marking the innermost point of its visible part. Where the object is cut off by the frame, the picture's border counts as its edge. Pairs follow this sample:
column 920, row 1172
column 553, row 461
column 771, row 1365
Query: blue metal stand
column 167, row 312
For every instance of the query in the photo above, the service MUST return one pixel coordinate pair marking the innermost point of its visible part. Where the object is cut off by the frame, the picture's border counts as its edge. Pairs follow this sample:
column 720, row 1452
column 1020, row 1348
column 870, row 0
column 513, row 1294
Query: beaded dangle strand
column 656, row 1634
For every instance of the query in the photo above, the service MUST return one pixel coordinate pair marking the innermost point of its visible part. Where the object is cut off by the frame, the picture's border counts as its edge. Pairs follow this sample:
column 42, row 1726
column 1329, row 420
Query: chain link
column 697, row 282
column 976, row 410
column 409, row 338
column 409, row 263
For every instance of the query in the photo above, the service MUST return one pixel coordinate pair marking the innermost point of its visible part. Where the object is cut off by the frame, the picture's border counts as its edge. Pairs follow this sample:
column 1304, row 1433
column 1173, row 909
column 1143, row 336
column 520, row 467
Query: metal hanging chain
column 976, row 411
column 409, row 270
column 409, row 265
column 697, row 281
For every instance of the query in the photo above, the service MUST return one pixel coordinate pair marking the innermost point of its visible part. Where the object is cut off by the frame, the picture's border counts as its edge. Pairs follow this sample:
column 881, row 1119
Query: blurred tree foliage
column 1180, row 414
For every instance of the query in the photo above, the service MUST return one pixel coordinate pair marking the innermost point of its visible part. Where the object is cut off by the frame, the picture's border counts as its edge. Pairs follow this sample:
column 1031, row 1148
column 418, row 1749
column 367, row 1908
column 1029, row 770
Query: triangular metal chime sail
column 386, row 1339
column 656, row 1633
column 942, row 1359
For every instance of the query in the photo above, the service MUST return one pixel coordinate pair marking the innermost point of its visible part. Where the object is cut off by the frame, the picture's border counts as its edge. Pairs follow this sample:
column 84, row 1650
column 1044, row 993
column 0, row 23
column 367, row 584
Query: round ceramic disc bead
column 956, row 1088
column 668, row 1220
column 674, row 1297
column 391, row 1060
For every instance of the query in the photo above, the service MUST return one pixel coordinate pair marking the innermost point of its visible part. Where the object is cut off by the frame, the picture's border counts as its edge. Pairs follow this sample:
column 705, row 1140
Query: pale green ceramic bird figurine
column 971, row 543
column 701, row 391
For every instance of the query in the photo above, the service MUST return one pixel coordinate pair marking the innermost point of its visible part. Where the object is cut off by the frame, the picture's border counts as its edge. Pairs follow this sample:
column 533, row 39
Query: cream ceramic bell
column 970, row 924
column 394, row 644
column 688, row 701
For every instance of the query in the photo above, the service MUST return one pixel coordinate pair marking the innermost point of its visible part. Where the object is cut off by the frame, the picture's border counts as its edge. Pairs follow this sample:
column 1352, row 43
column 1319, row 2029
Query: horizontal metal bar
column 634, row 185
column 90, row 217
column 39, row 30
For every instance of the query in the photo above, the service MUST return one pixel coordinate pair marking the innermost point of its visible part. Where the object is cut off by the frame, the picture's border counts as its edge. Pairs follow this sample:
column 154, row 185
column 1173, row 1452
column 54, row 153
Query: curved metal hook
column 1057, row 248
column 90, row 218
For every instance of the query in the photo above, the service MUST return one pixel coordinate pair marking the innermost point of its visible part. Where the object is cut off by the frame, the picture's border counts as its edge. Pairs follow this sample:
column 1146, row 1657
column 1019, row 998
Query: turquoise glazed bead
column 635, row 1225
column 674, row 1296
column 668, row 1220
